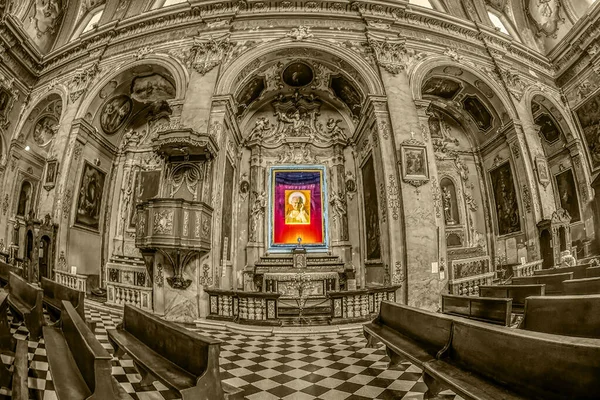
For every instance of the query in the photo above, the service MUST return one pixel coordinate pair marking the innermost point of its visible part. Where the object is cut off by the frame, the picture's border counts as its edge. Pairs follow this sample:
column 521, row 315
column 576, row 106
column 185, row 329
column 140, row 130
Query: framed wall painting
column 51, row 174
column 297, row 208
column 415, row 166
column 506, row 203
column 542, row 171
column 89, row 201
column 566, row 192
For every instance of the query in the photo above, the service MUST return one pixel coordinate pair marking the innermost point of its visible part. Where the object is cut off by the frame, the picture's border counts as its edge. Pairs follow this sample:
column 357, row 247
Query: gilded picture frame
column 415, row 165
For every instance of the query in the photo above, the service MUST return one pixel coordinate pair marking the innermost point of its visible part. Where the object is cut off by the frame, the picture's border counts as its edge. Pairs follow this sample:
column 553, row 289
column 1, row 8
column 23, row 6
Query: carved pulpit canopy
column 174, row 142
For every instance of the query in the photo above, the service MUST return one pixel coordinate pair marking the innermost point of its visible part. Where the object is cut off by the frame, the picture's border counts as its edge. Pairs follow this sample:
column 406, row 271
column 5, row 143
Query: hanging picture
column 505, row 197
column 415, row 167
column 114, row 113
column 298, row 207
column 589, row 118
column 89, row 200
column 566, row 192
column 50, row 177
column 371, row 211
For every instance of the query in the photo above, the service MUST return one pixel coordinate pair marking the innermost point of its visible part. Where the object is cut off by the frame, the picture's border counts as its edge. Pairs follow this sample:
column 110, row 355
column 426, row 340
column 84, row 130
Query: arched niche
column 25, row 199
column 449, row 202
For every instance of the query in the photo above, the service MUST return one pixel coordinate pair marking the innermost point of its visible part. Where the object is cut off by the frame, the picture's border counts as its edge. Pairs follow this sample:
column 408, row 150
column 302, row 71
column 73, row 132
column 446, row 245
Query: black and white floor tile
column 331, row 367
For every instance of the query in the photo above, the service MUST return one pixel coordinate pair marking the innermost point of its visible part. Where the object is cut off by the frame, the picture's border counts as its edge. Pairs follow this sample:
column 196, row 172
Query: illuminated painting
column 298, row 207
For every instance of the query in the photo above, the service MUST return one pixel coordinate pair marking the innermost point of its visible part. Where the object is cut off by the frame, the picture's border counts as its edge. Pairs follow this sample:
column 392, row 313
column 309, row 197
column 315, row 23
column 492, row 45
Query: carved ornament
column 392, row 55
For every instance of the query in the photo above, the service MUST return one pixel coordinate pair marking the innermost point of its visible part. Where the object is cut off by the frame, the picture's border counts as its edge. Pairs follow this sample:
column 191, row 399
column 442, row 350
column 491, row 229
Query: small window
column 422, row 3
column 498, row 23
column 172, row 2
column 93, row 22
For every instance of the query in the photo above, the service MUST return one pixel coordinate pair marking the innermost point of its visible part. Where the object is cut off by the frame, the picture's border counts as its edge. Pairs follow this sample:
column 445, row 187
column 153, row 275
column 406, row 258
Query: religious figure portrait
column 505, row 196
column 45, row 129
column 297, row 74
column 566, row 191
column 114, row 113
column 297, row 210
column 542, row 170
column 347, row 93
column 51, row 169
column 90, row 197
column 250, row 93
column 478, row 112
column 414, row 162
column 371, row 210
column 548, row 128
column 449, row 202
column 589, row 118
column 440, row 87
column 152, row 88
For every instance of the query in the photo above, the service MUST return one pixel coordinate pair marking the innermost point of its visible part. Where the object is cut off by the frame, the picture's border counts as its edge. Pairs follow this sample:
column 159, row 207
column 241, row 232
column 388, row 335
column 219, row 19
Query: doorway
column 44, row 262
column 546, row 249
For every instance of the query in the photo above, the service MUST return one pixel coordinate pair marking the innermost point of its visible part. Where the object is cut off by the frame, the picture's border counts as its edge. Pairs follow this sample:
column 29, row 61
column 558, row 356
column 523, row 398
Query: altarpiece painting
column 89, row 201
column 298, row 207
column 371, row 211
column 505, row 197
column 567, row 194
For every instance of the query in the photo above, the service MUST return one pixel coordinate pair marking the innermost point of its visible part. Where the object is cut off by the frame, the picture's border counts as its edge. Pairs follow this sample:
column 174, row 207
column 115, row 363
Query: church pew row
column 518, row 293
column 19, row 347
column 55, row 293
column 582, row 286
column 553, row 282
column 563, row 315
column 81, row 368
column 485, row 309
column 25, row 302
column 5, row 270
column 592, row 272
column 578, row 271
column 183, row 360
column 483, row 361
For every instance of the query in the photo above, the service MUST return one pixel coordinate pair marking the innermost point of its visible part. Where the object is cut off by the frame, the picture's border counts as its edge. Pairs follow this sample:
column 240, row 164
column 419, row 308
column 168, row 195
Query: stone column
column 338, row 206
column 527, row 186
column 256, row 206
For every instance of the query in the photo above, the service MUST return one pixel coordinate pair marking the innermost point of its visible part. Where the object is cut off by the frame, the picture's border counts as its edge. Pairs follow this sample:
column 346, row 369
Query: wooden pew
column 8, row 344
column 5, row 270
column 592, row 272
column 517, row 293
column 485, row 361
column 563, row 315
column 81, row 368
column 55, row 293
column 582, row 286
column 25, row 301
column 182, row 360
column 485, row 309
column 408, row 333
column 577, row 270
column 553, row 282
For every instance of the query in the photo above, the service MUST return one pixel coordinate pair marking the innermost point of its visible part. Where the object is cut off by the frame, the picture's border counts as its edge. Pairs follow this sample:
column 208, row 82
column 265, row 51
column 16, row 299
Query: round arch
column 419, row 72
column 59, row 89
column 177, row 70
column 534, row 91
column 227, row 82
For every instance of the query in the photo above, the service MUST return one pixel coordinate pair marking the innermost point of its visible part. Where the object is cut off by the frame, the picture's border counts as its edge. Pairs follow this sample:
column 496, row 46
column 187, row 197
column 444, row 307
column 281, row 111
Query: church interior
column 276, row 199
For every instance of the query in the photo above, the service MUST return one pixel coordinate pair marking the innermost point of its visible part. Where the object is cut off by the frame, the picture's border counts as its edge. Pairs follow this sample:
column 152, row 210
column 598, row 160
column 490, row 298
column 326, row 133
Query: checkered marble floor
column 332, row 367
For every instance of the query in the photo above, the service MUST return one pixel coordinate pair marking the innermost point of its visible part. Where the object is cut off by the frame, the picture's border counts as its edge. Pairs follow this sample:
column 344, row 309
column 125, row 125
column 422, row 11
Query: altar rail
column 127, row 282
column 254, row 308
column 74, row 281
column 527, row 269
column 359, row 305
column 469, row 286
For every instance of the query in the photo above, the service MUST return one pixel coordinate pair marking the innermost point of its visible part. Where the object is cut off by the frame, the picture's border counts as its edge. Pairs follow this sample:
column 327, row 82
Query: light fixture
column 27, row 148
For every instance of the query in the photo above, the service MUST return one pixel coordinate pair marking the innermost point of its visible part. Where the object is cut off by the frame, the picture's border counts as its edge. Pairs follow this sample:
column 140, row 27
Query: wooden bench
column 182, row 360
column 577, row 270
column 8, row 344
column 563, row 315
column 25, row 301
column 55, row 293
column 485, row 361
column 486, row 309
column 409, row 334
column 81, row 368
column 582, row 286
column 517, row 293
column 553, row 282
column 5, row 270
column 592, row 272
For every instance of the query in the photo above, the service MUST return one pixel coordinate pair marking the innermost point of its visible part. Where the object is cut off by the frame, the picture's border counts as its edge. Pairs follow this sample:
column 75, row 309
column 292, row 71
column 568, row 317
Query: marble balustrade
column 254, row 308
column 527, row 269
column 75, row 281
